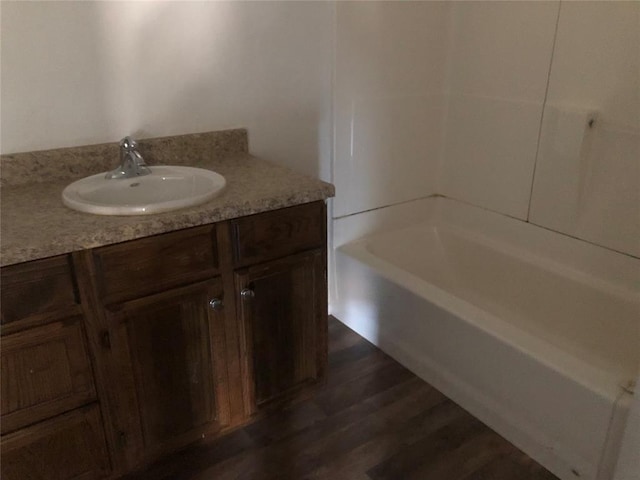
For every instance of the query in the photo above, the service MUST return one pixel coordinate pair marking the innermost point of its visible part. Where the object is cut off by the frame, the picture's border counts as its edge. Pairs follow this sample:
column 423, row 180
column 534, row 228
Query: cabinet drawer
column 271, row 235
column 38, row 287
column 71, row 446
column 140, row 267
column 45, row 371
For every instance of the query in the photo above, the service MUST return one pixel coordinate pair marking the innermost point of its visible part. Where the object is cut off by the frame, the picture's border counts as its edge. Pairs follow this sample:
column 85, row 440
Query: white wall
column 500, row 57
column 574, row 61
column 76, row 73
column 406, row 73
column 587, row 181
column 389, row 102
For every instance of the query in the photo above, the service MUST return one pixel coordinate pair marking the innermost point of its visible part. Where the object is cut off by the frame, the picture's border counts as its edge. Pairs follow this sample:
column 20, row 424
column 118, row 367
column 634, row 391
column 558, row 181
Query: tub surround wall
column 457, row 112
column 587, row 181
column 389, row 102
column 35, row 223
column 507, row 127
column 555, row 139
column 495, row 101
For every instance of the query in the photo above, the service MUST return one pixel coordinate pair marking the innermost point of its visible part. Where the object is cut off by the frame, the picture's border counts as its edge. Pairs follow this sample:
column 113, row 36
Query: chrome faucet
column 131, row 162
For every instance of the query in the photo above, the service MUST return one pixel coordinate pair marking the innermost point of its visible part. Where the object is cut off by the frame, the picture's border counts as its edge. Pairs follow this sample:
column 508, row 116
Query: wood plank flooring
column 374, row 420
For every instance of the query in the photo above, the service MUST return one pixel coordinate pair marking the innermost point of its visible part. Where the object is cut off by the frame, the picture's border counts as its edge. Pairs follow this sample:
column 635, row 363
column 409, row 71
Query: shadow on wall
column 163, row 63
column 194, row 67
column 89, row 72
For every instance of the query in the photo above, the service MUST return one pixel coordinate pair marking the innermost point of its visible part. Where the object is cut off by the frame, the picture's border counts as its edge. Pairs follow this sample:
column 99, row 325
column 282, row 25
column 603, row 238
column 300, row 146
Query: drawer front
column 149, row 265
column 271, row 235
column 38, row 287
column 45, row 372
column 71, row 446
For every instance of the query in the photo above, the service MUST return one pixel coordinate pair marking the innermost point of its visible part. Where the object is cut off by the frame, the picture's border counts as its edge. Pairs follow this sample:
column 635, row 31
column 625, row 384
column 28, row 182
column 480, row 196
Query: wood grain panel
column 284, row 325
column 36, row 288
column 140, row 267
column 115, row 385
column 45, row 371
column 266, row 236
column 68, row 447
column 236, row 407
column 178, row 372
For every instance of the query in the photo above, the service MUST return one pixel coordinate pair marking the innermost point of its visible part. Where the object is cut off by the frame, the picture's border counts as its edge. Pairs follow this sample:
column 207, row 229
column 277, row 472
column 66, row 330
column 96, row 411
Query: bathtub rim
column 618, row 269
column 604, row 383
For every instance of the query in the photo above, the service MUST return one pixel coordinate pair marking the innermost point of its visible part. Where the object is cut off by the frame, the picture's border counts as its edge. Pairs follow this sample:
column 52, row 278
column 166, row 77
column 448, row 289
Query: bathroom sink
column 166, row 188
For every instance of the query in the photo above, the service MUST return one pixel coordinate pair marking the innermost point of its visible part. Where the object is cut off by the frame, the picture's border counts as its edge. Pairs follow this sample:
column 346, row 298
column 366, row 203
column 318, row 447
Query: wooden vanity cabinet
column 45, row 371
column 51, row 422
column 188, row 335
column 160, row 313
column 171, row 349
column 68, row 446
column 281, row 291
column 283, row 318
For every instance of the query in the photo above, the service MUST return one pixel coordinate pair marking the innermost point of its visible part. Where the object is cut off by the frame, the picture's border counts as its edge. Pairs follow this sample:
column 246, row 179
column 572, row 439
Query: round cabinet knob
column 216, row 304
column 247, row 294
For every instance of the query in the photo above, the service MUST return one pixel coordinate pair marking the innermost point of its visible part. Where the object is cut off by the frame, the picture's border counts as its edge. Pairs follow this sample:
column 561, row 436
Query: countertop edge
column 65, row 240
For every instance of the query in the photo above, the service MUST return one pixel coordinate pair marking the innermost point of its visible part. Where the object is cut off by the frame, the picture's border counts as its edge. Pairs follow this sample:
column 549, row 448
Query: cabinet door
column 283, row 315
column 67, row 447
column 45, row 371
column 175, row 352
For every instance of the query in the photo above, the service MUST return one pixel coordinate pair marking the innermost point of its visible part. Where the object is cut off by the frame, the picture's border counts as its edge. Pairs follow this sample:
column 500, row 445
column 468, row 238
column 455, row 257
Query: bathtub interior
column 581, row 298
column 493, row 311
column 591, row 318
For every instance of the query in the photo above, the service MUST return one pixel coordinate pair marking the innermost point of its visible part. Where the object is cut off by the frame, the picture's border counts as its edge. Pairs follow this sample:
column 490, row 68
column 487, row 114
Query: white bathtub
column 535, row 333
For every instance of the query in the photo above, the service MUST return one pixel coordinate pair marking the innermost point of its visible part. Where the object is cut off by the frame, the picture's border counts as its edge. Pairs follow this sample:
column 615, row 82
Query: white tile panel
column 490, row 152
column 388, row 102
column 587, row 181
column 502, row 49
column 390, row 153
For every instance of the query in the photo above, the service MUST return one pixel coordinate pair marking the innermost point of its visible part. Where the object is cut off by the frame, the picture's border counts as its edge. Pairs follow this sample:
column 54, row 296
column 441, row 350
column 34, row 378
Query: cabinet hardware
column 216, row 304
column 247, row 293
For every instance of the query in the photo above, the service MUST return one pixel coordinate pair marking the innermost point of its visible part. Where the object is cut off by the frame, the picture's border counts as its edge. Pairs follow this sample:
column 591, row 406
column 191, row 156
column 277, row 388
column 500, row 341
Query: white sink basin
column 166, row 188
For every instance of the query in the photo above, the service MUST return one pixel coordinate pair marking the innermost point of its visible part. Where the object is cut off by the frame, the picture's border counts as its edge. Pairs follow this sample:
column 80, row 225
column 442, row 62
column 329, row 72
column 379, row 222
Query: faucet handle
column 128, row 144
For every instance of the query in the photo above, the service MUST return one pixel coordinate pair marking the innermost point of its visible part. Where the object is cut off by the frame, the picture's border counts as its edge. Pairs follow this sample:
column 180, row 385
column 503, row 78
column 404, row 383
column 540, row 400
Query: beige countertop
column 35, row 223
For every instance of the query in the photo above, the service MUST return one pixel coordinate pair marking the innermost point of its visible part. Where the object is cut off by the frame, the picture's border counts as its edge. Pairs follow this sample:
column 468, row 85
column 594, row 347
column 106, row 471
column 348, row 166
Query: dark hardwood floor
column 374, row 420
